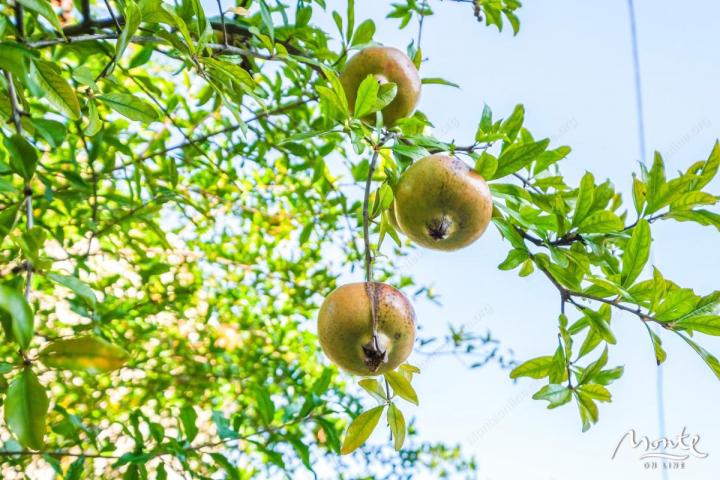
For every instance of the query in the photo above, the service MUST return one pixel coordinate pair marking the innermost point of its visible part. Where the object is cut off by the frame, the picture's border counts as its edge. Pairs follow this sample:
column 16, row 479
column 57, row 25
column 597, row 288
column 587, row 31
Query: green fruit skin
column 390, row 65
column 345, row 325
column 441, row 203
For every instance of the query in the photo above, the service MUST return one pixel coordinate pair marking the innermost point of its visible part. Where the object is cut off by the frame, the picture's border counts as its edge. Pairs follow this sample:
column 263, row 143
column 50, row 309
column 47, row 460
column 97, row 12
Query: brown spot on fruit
column 388, row 64
column 441, row 203
column 345, row 328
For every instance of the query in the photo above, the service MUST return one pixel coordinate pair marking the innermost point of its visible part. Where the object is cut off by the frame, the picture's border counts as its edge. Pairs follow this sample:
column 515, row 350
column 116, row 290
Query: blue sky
column 571, row 66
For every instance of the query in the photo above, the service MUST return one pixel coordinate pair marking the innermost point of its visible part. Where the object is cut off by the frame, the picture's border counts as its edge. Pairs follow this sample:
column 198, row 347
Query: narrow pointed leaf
column 57, row 90
column 22, row 322
column 401, row 386
column 360, row 429
column 396, row 421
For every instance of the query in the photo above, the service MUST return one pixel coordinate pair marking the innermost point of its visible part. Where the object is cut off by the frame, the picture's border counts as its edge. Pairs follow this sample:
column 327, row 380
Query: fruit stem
column 366, row 235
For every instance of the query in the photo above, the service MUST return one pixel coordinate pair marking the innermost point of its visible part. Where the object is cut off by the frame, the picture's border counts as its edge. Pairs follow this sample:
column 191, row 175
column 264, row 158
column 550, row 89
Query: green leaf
column 599, row 323
column 188, row 417
column 517, row 157
column 555, row 394
column 637, row 253
column 386, row 94
column 364, row 33
column 601, row 222
column 366, row 96
column 130, row 106
column 267, row 19
column 265, row 405
column 485, row 122
column 588, row 410
column 639, row 194
column 52, row 131
column 57, row 90
column 596, row 392
column 486, row 165
column 438, row 81
column 43, row 8
column 23, row 156
column 708, row 324
column 80, row 288
column 21, row 316
column 511, row 126
column 26, row 406
column 133, row 18
column 660, row 354
column 594, row 368
column 709, row 359
column 373, row 387
column 536, row 368
column 89, row 354
column 360, row 429
column 509, row 232
column 606, row 377
column 402, row 387
column 689, row 200
column 709, row 168
column 514, row 258
column 656, row 184
column 585, row 199
column 676, row 304
column 94, row 123
column 396, row 420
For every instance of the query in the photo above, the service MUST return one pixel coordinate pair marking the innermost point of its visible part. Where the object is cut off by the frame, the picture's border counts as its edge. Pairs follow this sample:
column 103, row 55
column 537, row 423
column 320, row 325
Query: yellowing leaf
column 89, row 354
column 401, row 386
column 360, row 429
column 396, row 421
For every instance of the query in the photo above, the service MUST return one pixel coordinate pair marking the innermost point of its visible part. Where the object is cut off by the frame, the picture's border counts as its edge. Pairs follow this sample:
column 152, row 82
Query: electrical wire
column 659, row 391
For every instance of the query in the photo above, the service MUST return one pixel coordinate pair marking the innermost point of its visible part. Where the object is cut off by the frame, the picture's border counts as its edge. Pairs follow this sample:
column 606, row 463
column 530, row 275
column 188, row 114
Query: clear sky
column 571, row 66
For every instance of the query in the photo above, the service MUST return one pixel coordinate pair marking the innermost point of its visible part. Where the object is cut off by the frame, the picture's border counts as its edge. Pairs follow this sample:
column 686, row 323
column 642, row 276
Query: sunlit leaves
column 555, row 394
column 364, row 33
column 401, row 387
column 133, row 18
column 44, row 8
column 130, row 106
column 80, row 288
column 585, row 198
column 396, row 421
column 26, row 406
column 57, row 90
column 535, row 368
column 519, row 156
column 89, row 354
column 637, row 253
column 602, row 221
column 707, row 357
column 23, row 156
column 360, row 429
column 188, row 418
column 366, row 96
column 22, row 325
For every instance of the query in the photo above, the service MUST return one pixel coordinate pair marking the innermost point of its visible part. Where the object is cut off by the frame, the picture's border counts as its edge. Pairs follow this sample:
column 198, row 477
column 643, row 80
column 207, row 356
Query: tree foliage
column 176, row 194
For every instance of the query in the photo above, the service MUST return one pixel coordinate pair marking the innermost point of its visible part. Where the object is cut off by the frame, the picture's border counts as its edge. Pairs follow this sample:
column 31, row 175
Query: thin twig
column 118, row 28
column 222, row 22
column 12, row 93
column 19, row 22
